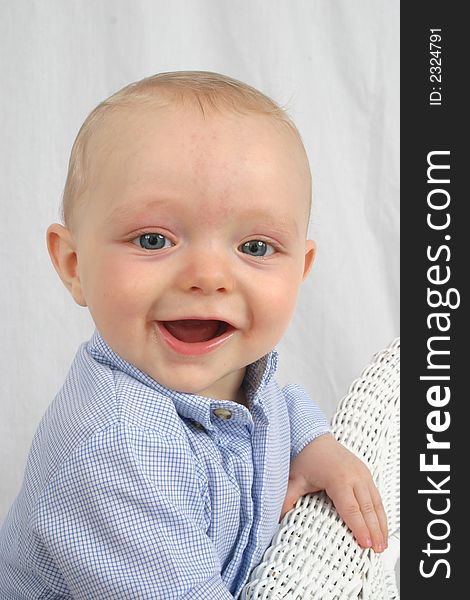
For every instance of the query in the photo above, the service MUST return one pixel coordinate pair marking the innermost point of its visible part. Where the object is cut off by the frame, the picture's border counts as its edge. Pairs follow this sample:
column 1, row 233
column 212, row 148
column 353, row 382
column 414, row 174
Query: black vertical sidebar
column 435, row 259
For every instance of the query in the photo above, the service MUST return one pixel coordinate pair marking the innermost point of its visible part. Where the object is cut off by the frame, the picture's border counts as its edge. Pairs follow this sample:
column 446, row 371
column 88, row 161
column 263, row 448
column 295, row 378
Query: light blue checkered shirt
column 133, row 490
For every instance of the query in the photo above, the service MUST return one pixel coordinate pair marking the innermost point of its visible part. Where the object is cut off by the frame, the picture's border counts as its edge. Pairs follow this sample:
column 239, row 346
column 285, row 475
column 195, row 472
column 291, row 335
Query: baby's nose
column 208, row 272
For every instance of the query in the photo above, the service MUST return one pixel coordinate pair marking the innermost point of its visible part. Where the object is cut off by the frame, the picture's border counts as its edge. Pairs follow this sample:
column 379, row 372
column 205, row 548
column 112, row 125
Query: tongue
column 192, row 330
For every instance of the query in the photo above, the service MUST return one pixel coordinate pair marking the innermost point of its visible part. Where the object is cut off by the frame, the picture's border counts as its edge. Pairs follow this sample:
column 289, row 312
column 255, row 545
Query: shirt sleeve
column 125, row 517
column 307, row 421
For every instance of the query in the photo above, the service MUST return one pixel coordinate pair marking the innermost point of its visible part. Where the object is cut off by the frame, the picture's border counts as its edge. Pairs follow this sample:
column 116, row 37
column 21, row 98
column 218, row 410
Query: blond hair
column 204, row 89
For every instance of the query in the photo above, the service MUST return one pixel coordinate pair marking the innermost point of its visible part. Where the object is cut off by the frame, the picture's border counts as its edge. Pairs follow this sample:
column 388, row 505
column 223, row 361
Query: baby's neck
column 241, row 397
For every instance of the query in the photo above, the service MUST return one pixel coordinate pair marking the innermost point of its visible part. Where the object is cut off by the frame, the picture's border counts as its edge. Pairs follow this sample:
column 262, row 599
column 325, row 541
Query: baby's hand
column 325, row 464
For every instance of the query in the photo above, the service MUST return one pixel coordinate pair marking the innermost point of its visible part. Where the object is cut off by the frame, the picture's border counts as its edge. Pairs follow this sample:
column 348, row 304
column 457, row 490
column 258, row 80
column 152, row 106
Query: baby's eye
column 256, row 248
column 152, row 241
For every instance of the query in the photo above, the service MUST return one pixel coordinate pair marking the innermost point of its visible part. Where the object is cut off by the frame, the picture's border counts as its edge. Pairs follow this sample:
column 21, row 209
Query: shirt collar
column 191, row 406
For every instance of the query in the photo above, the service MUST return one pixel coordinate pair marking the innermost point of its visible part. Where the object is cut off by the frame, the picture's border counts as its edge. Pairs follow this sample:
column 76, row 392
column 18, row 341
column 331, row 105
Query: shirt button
column 223, row 413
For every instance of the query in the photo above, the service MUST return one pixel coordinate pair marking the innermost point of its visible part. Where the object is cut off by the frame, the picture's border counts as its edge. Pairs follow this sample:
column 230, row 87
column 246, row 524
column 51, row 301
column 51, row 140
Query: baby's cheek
column 283, row 295
column 112, row 293
column 278, row 307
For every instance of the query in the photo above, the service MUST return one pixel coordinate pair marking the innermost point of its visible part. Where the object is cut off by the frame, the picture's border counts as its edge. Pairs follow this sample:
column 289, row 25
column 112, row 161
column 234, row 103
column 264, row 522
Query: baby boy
column 164, row 464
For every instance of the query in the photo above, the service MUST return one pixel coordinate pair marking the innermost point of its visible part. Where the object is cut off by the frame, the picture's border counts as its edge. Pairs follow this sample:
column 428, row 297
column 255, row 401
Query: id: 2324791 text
column 435, row 67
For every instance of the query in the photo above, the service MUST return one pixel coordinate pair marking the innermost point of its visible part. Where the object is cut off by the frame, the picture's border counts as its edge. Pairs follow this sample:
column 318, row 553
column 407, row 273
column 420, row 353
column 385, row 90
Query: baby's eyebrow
column 126, row 211
column 284, row 225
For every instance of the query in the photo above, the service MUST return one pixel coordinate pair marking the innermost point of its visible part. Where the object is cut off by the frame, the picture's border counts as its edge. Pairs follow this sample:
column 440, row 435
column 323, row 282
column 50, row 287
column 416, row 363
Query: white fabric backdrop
column 335, row 62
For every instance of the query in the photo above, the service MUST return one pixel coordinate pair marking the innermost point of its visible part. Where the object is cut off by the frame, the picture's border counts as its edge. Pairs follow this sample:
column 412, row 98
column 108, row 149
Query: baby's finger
column 379, row 509
column 370, row 506
column 349, row 510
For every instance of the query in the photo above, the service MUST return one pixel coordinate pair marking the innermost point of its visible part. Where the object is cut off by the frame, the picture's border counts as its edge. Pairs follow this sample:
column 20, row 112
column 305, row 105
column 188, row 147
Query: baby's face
column 191, row 243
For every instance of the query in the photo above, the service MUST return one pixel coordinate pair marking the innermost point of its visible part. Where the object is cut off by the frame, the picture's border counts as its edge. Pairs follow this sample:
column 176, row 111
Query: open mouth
column 195, row 330
column 195, row 336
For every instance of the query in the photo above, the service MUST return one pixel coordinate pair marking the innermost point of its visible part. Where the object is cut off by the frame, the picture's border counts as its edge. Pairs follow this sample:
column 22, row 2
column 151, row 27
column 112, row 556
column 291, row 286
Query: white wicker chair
column 314, row 555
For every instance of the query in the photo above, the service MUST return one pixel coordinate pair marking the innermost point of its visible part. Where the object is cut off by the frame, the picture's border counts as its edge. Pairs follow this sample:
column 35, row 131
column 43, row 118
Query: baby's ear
column 64, row 258
column 310, row 251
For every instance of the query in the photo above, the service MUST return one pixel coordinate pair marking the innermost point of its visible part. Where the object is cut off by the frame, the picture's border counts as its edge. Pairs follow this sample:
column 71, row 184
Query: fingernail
column 381, row 547
column 367, row 543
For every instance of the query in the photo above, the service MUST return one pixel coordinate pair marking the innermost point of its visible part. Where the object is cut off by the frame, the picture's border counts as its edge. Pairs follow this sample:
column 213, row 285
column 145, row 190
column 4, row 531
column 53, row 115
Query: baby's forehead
column 129, row 128
column 204, row 93
column 137, row 119
column 239, row 136
column 125, row 139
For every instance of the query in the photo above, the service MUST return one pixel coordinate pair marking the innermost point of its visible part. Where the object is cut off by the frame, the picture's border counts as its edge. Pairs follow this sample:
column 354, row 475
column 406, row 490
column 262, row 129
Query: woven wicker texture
column 314, row 555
